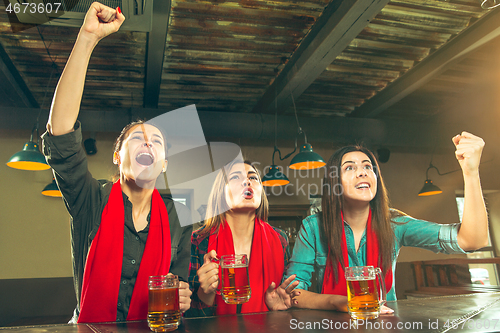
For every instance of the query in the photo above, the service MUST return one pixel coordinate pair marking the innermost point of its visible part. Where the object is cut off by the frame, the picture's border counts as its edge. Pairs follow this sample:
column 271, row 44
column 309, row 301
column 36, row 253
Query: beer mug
column 163, row 307
column 363, row 297
column 234, row 286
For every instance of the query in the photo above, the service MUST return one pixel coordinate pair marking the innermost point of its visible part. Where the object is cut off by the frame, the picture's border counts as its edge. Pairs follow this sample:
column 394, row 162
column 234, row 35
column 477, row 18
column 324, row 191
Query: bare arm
column 309, row 300
column 473, row 233
column 99, row 22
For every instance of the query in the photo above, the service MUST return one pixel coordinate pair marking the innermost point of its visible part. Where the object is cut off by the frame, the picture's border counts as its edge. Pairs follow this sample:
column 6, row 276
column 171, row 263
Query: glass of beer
column 163, row 307
column 364, row 298
column 234, row 282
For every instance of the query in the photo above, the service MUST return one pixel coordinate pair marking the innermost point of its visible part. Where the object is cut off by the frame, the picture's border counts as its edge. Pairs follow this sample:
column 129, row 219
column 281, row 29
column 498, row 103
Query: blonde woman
column 237, row 224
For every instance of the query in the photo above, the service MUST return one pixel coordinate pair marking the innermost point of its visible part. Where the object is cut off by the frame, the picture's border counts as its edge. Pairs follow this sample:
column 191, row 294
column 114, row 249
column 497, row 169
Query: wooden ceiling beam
column 155, row 53
column 479, row 33
column 233, row 126
column 339, row 24
column 12, row 84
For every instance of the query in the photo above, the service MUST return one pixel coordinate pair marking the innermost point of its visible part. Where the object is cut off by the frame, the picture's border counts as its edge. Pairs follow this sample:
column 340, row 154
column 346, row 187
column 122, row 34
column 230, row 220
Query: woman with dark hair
column 121, row 232
column 235, row 223
column 356, row 227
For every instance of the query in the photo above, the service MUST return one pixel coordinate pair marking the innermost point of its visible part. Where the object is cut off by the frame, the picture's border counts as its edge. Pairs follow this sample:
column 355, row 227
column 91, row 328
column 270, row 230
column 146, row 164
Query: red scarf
column 266, row 264
column 372, row 259
column 103, row 269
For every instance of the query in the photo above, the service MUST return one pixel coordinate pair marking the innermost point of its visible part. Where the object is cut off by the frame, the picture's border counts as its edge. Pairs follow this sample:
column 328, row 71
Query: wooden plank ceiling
column 404, row 33
column 224, row 55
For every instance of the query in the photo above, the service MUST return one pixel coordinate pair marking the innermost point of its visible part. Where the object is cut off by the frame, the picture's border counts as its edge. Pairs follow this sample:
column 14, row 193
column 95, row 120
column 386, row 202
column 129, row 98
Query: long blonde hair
column 217, row 205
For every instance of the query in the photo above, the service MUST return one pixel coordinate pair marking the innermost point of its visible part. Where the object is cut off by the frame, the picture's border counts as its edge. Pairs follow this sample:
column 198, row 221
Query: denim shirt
column 311, row 250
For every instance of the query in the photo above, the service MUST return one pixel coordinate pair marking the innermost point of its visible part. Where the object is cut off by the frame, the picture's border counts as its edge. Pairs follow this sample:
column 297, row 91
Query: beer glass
column 363, row 297
column 163, row 307
column 233, row 279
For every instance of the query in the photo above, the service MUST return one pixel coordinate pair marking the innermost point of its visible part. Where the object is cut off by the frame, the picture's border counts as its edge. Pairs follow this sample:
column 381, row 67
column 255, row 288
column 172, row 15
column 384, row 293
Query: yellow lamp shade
column 52, row 190
column 429, row 189
column 274, row 177
column 306, row 159
column 29, row 158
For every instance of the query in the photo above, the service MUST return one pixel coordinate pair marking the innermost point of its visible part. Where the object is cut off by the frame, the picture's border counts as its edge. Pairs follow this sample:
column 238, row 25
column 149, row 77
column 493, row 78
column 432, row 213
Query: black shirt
column 85, row 199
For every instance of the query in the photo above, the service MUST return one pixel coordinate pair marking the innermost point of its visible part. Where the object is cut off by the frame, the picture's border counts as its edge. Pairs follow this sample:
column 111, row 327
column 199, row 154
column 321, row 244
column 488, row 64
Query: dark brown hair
column 123, row 135
column 217, row 205
column 332, row 204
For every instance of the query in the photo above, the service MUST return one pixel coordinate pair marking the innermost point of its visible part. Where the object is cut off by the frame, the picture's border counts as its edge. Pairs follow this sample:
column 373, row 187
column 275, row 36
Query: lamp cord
column 275, row 125
column 300, row 131
column 431, row 166
column 45, row 45
column 276, row 149
column 54, row 67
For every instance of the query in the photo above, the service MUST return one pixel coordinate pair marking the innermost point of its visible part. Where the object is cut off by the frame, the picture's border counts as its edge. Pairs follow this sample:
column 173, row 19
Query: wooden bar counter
column 468, row 313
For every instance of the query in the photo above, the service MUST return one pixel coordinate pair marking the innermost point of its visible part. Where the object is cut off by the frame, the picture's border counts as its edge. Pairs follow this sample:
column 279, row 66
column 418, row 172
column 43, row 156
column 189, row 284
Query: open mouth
column 362, row 186
column 145, row 159
column 248, row 193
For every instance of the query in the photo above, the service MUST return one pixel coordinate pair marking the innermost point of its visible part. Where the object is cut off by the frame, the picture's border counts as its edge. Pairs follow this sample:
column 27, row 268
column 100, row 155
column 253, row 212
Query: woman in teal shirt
column 356, row 227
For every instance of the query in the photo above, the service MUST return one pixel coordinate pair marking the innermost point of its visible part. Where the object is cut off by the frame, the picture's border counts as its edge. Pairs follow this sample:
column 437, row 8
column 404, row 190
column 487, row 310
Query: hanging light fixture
column 52, row 190
column 274, row 177
column 429, row 188
column 30, row 158
column 306, row 159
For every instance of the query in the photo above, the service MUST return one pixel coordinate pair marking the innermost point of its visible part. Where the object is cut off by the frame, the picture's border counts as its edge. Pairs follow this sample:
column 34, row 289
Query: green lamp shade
column 29, row 158
column 306, row 159
column 429, row 189
column 274, row 177
column 52, row 190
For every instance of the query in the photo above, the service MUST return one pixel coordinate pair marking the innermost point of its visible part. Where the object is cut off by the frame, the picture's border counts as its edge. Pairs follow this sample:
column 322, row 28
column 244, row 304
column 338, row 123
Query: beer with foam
column 363, row 297
column 234, row 282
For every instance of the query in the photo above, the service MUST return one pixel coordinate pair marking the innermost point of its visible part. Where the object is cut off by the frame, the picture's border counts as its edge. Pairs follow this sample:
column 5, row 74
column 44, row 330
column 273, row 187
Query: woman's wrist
column 208, row 299
column 338, row 303
column 88, row 40
column 470, row 174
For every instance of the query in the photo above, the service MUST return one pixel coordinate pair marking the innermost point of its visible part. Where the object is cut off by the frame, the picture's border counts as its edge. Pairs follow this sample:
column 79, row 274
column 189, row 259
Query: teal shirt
column 311, row 251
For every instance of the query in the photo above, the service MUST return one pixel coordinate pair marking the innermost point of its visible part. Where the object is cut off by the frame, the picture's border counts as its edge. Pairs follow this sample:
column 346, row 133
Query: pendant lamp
column 52, row 190
column 429, row 188
column 306, row 159
column 275, row 177
column 30, row 158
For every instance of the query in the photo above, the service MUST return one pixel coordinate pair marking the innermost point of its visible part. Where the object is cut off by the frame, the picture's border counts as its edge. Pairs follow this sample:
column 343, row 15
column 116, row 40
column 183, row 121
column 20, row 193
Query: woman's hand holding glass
column 208, row 277
column 184, row 296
